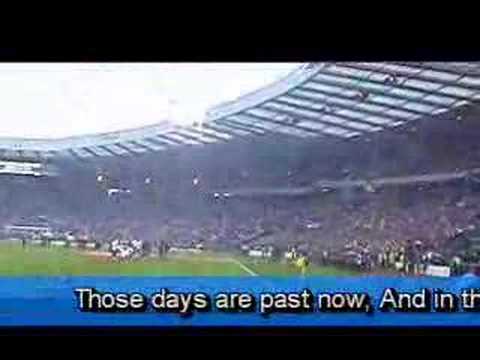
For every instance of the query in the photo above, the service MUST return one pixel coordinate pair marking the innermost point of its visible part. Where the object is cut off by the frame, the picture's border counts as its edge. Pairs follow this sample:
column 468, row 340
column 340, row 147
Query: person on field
column 302, row 263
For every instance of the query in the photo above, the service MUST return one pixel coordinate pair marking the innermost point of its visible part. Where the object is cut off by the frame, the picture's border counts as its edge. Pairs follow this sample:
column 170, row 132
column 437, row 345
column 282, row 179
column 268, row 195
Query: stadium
column 345, row 168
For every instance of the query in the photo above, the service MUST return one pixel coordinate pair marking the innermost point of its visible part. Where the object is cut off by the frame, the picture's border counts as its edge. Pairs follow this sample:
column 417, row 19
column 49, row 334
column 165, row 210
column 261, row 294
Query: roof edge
column 293, row 79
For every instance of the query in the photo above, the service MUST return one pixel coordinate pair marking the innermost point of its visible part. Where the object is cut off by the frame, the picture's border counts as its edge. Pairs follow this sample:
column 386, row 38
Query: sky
column 67, row 99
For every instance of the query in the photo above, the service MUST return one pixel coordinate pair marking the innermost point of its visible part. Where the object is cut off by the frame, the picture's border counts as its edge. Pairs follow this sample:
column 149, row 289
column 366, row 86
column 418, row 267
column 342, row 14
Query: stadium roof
column 340, row 100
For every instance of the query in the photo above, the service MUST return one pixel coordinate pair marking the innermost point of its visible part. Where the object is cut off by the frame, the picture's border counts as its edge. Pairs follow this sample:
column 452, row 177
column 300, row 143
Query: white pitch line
column 244, row 267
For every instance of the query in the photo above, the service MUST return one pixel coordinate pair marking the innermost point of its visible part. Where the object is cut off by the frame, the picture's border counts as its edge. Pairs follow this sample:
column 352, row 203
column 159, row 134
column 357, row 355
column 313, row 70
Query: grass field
column 17, row 261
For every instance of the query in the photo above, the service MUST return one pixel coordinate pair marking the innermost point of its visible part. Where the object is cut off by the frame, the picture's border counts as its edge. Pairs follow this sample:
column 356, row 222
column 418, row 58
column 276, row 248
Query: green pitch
column 41, row 261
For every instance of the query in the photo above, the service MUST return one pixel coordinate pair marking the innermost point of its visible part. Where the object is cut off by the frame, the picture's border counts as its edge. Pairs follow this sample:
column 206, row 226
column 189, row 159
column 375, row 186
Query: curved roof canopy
column 340, row 100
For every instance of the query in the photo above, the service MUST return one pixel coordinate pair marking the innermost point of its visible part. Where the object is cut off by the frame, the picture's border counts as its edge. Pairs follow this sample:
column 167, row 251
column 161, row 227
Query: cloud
column 57, row 100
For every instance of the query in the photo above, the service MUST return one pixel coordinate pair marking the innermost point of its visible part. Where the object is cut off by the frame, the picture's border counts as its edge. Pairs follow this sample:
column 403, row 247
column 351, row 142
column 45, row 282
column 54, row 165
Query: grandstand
column 351, row 163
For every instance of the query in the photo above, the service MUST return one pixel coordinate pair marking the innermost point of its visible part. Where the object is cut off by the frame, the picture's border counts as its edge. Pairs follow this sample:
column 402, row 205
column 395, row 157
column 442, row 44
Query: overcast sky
column 57, row 100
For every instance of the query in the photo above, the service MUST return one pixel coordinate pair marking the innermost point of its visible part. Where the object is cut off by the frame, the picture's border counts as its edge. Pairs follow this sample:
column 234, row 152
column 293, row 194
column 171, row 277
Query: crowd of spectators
column 172, row 195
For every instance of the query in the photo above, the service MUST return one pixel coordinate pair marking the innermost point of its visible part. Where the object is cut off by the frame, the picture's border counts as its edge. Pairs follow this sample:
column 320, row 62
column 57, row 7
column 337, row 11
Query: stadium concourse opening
column 336, row 169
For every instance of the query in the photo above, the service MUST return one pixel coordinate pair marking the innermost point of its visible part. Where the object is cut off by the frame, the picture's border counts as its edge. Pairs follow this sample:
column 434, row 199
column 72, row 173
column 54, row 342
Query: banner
column 247, row 301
